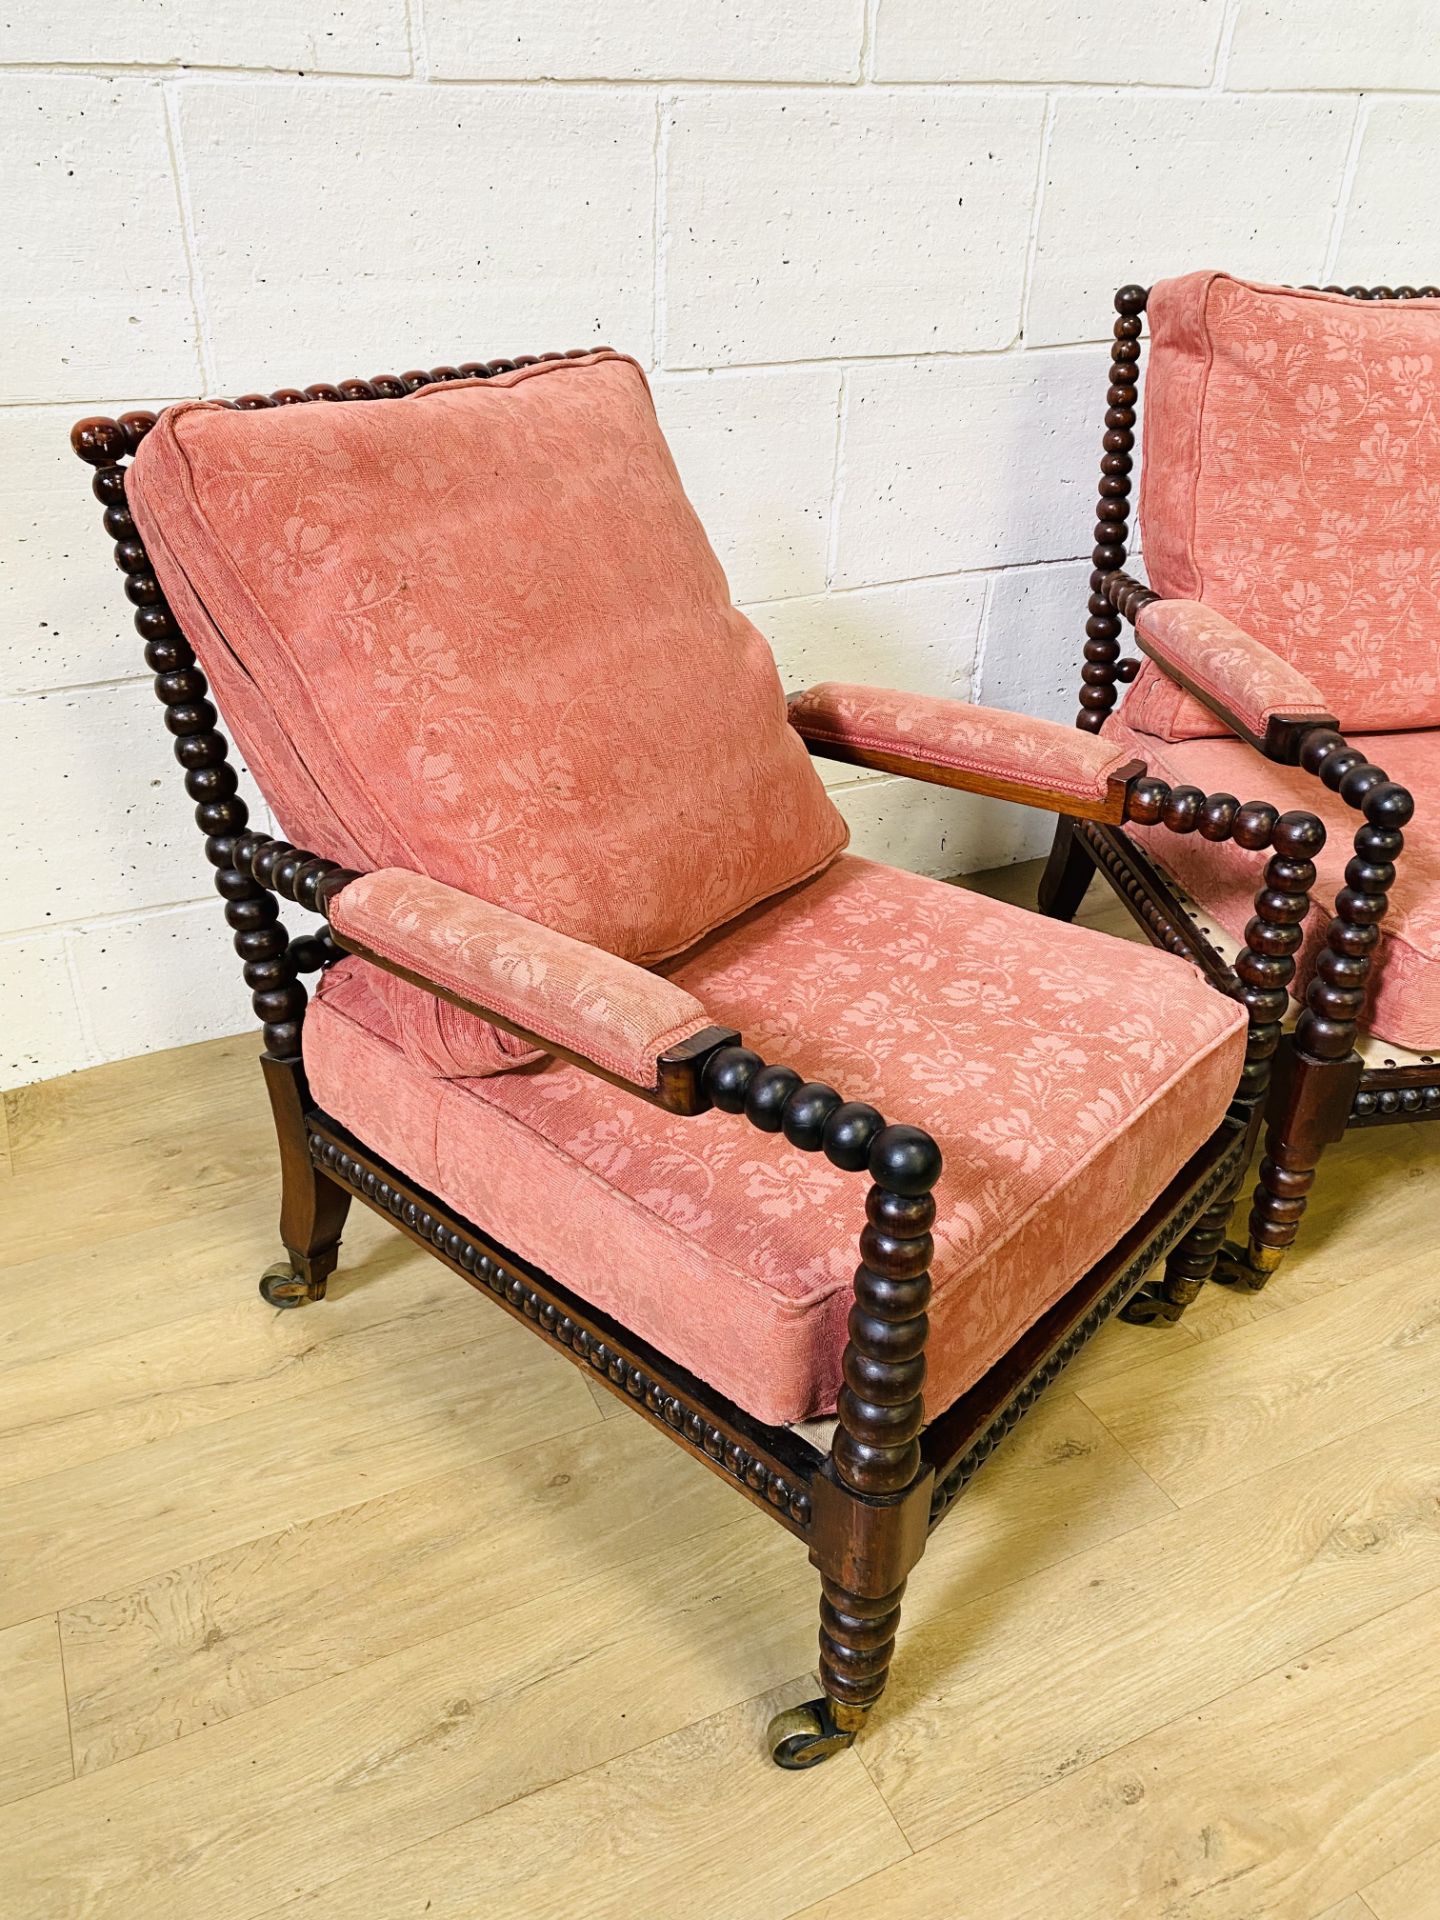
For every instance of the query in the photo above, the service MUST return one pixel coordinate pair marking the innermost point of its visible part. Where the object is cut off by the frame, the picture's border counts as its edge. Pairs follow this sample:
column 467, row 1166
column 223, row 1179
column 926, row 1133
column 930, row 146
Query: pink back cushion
column 479, row 633
column 1292, row 482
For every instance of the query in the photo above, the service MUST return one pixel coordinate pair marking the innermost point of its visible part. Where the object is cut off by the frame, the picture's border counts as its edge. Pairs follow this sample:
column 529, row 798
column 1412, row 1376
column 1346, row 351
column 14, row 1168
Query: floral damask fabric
column 479, row 633
column 988, row 741
column 1253, row 683
column 621, row 1016
column 1066, row 1075
column 1404, row 1002
column 1292, row 483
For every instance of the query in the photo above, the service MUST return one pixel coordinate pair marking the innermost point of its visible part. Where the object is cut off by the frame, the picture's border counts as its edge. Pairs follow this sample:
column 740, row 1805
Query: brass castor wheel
column 1236, row 1266
column 804, row 1736
column 281, row 1286
column 1150, row 1308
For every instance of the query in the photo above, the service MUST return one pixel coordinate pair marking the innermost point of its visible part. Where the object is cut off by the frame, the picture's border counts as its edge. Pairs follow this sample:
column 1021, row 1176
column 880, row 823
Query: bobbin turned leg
column 1276, row 1209
column 1068, row 873
column 871, row 1506
column 1310, row 1107
column 857, row 1639
column 1314, row 1092
column 1190, row 1265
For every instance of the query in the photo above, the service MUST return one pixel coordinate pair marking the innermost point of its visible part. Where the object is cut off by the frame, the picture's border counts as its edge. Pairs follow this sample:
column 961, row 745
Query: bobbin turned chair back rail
column 864, row 1508
column 1322, row 1086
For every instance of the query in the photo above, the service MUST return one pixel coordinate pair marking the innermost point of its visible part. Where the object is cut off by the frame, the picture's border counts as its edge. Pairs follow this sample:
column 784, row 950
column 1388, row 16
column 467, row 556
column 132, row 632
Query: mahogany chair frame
column 1321, row 1087
column 865, row 1508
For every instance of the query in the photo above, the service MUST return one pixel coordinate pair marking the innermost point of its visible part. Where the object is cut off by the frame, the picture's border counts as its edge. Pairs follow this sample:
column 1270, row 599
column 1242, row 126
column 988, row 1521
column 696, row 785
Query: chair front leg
column 1264, row 969
column 871, row 1503
column 313, row 1207
column 1314, row 1092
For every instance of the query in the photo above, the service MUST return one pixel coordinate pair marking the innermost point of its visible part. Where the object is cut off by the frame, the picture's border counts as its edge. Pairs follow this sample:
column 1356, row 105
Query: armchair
column 570, row 850
column 1288, row 508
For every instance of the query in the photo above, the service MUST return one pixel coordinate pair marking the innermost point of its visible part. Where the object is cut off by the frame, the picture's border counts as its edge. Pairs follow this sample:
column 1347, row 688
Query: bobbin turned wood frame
column 1321, row 1086
column 864, row 1510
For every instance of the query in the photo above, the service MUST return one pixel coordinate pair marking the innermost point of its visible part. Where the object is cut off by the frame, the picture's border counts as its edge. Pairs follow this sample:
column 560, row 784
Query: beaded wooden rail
column 769, row 1464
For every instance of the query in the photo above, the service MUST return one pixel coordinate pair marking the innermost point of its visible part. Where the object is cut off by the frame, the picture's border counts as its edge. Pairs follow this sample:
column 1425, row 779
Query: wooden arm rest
column 621, row 1022
column 1261, row 698
column 952, row 743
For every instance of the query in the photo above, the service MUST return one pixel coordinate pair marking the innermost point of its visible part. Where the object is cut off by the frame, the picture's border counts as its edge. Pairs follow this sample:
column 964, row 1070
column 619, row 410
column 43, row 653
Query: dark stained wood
column 1320, row 1087
column 312, row 1206
column 1101, row 673
column 914, row 767
column 1282, row 738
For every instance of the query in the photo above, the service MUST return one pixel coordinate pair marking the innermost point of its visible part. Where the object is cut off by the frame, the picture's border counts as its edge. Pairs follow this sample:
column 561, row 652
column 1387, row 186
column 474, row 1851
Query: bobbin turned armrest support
column 1259, row 696
column 951, row 743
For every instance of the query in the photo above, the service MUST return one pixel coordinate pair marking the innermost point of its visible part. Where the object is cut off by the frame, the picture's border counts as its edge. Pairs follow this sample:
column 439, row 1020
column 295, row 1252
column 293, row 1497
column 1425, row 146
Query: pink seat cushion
column 1404, row 1004
column 1292, row 482
column 478, row 633
column 1066, row 1075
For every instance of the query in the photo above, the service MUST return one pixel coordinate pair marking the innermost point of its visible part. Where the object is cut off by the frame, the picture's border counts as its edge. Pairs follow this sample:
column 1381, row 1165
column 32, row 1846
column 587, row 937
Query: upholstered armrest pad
column 1221, row 660
column 874, row 724
column 578, row 997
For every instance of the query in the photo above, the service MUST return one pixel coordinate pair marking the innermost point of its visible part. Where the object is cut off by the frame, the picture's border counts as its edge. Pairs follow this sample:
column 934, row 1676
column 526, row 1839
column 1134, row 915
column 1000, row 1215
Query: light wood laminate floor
column 379, row 1609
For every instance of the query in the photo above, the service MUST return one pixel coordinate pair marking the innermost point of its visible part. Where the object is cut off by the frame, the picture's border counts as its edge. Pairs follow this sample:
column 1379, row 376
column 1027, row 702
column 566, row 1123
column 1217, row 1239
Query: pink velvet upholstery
column 1066, row 1076
column 606, row 1009
column 1404, row 1005
column 1292, row 483
column 478, row 633
column 985, row 741
column 1250, row 681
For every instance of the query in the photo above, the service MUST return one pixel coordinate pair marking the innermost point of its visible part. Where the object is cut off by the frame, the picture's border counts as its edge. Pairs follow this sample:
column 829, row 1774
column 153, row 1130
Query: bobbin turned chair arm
column 1335, row 996
column 953, row 743
column 1259, row 696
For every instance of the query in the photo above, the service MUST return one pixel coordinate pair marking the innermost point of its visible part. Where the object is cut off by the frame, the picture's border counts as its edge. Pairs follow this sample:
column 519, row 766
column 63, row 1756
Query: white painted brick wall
column 864, row 247
column 852, row 221
column 646, row 40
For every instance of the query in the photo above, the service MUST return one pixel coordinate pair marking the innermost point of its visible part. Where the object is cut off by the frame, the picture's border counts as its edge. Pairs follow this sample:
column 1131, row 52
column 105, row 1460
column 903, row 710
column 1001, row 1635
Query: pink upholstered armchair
column 1290, row 518
column 608, row 1020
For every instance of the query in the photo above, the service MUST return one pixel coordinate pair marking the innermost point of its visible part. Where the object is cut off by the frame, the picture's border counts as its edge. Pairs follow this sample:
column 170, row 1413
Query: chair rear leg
column 1190, row 1265
column 1067, row 875
column 312, row 1206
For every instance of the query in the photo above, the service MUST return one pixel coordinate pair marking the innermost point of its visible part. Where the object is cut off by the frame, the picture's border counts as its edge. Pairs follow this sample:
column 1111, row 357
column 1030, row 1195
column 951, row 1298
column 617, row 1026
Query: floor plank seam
column 489, row 1618
column 1211, row 1701
column 65, row 1688
column 859, row 1752
column 1331, row 1439
column 1143, row 1471
column 291, row 1900
column 156, row 1572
